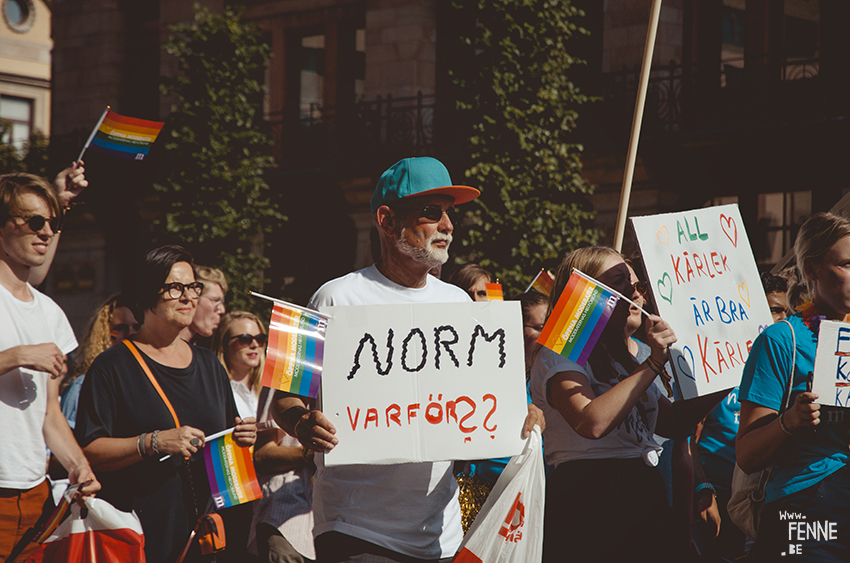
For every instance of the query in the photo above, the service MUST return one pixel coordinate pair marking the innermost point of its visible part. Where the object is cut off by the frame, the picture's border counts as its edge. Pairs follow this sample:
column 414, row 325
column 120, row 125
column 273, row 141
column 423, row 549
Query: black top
column 119, row 401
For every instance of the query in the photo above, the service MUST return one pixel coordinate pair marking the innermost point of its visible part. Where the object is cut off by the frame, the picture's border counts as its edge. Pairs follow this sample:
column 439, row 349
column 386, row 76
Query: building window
column 19, row 14
column 312, row 76
column 16, row 120
column 732, row 42
column 779, row 218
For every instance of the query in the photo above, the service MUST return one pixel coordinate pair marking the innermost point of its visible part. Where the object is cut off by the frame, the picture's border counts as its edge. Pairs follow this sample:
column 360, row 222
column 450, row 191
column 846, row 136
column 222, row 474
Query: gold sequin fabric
column 473, row 492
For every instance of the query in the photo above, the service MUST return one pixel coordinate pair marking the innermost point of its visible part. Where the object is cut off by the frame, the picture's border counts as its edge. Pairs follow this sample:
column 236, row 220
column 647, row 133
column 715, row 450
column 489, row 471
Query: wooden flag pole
column 646, row 66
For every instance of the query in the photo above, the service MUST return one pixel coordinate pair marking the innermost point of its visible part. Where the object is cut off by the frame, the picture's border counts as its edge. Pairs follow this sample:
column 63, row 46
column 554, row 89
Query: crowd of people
column 163, row 367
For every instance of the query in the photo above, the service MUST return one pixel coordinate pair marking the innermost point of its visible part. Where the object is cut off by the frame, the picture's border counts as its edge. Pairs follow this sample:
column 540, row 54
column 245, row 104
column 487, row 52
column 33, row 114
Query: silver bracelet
column 153, row 442
column 140, row 445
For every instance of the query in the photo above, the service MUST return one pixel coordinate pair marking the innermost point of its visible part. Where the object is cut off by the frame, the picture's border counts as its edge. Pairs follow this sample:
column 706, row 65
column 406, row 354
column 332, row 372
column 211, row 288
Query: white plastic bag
column 105, row 535
column 509, row 527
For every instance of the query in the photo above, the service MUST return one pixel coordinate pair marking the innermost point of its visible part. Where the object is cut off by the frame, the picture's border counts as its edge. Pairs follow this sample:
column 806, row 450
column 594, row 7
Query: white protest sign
column 707, row 286
column 832, row 364
column 429, row 382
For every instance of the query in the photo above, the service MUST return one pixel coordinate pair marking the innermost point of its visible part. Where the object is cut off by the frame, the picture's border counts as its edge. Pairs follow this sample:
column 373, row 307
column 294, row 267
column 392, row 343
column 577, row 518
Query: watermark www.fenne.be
column 801, row 531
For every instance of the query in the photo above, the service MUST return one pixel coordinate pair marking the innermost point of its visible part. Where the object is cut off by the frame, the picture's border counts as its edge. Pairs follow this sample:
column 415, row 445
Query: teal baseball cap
column 418, row 176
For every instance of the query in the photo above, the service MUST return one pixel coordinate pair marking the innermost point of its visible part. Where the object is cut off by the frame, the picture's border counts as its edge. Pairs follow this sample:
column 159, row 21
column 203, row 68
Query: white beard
column 428, row 255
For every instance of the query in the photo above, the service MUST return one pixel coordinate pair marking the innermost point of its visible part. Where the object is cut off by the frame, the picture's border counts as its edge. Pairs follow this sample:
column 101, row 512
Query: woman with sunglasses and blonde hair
column 605, row 500
column 240, row 344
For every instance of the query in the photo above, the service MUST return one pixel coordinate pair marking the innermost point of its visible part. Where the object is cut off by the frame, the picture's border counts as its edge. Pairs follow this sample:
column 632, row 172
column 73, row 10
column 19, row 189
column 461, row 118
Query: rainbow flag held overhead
column 494, row 292
column 542, row 283
column 296, row 350
column 124, row 137
column 230, row 471
column 577, row 321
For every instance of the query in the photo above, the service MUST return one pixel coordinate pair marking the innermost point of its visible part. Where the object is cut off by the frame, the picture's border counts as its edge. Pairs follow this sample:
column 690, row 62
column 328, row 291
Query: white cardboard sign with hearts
column 706, row 285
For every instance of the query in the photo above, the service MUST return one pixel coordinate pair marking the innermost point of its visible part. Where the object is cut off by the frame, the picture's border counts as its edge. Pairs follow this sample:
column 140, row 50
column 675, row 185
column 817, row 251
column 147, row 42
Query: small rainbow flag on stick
column 230, row 470
column 579, row 316
column 494, row 292
column 296, row 349
column 542, row 283
column 124, row 137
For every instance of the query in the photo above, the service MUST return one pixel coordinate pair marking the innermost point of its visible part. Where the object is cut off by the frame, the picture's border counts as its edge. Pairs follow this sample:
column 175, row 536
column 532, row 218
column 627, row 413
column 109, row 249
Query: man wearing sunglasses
column 35, row 336
column 406, row 512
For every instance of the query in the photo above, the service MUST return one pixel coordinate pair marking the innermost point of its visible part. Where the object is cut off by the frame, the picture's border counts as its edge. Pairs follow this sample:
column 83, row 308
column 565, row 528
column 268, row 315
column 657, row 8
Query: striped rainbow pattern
column 579, row 316
column 125, row 137
column 230, row 471
column 542, row 283
column 295, row 352
column 494, row 292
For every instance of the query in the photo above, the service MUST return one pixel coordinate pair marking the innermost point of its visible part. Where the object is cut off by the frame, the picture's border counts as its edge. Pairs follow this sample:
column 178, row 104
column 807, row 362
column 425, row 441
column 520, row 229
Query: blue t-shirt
column 815, row 454
column 717, row 441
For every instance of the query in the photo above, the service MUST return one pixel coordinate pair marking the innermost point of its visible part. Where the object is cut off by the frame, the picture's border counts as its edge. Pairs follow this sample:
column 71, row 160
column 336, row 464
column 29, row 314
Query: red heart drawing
column 728, row 224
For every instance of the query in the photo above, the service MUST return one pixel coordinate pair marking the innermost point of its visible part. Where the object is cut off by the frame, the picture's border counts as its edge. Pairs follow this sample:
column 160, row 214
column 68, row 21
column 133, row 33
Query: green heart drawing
column 663, row 284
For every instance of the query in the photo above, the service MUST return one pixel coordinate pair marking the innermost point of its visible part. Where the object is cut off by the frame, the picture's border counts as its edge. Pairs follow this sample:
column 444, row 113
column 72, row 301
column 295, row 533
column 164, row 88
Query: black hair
column 773, row 284
column 152, row 273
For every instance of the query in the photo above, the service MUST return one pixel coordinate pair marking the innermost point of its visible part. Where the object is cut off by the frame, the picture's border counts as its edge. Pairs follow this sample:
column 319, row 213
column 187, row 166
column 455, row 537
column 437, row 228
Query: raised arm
column 68, row 184
column 298, row 418
column 594, row 417
column 270, row 457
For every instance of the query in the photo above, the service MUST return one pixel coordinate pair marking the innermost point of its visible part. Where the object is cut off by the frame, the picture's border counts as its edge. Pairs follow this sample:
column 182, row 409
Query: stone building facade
column 747, row 103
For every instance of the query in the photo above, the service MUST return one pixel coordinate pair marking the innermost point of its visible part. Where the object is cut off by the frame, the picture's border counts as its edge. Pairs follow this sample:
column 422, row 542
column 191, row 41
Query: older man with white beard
column 385, row 513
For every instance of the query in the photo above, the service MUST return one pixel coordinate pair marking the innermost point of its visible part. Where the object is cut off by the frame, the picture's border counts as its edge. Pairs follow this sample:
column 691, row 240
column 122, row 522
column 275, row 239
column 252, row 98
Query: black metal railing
column 346, row 134
column 676, row 100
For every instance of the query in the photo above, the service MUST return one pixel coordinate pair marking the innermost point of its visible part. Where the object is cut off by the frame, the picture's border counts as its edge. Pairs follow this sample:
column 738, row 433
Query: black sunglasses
column 434, row 213
column 175, row 290
column 36, row 222
column 245, row 339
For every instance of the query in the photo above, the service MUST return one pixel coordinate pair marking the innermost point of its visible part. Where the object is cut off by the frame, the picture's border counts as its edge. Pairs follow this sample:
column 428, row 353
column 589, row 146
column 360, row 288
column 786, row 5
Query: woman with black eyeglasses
column 152, row 396
column 240, row 344
column 605, row 500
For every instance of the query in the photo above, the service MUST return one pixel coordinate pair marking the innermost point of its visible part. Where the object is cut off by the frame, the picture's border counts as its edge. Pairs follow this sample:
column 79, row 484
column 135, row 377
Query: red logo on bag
column 515, row 519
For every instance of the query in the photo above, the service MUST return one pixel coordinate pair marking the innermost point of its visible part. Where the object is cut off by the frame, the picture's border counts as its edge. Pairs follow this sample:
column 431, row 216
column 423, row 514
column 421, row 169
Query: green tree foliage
column 32, row 158
column 214, row 198
column 515, row 94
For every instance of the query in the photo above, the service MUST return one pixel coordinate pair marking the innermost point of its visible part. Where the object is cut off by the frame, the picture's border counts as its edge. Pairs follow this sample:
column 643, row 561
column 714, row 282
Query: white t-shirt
column 632, row 438
column 23, row 392
column 246, row 401
column 409, row 508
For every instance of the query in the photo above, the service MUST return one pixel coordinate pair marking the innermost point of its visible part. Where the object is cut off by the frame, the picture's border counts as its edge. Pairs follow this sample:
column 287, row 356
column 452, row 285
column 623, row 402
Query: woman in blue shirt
column 805, row 510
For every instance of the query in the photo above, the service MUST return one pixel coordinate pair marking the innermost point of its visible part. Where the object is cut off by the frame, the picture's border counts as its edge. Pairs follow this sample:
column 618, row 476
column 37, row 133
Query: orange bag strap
column 154, row 382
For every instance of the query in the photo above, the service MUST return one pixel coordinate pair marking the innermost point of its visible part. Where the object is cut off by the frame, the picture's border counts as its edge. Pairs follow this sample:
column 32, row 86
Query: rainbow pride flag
column 542, row 283
column 296, row 351
column 230, row 471
column 579, row 316
column 124, row 137
column 494, row 292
